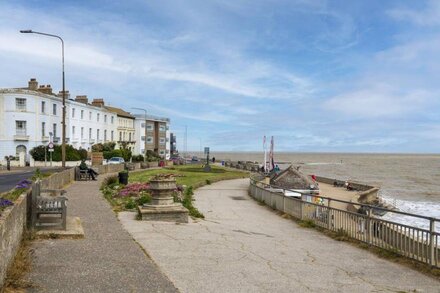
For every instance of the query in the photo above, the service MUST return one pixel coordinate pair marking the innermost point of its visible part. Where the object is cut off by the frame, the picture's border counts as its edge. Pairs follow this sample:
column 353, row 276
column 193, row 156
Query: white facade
column 87, row 125
column 27, row 117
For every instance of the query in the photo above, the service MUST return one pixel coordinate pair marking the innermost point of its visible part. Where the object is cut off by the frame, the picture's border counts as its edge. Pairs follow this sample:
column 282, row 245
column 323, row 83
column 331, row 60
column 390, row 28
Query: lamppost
column 63, row 144
column 145, row 140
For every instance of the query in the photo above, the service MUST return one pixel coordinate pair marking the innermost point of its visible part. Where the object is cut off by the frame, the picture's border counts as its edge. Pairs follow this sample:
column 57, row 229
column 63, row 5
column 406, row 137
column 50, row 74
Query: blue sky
column 336, row 76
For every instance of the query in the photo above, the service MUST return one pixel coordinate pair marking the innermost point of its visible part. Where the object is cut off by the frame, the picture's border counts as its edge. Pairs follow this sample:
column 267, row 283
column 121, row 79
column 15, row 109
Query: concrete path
column 106, row 260
column 245, row 247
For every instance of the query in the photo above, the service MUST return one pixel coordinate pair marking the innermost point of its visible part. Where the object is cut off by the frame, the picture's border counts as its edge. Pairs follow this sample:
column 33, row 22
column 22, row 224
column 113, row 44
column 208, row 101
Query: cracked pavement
column 242, row 246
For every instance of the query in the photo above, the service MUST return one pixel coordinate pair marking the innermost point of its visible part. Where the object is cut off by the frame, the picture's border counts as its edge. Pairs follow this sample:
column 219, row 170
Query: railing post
column 432, row 247
column 368, row 226
column 329, row 218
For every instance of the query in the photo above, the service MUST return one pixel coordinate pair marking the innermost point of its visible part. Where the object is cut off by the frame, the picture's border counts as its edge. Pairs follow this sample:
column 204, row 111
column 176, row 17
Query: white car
column 116, row 160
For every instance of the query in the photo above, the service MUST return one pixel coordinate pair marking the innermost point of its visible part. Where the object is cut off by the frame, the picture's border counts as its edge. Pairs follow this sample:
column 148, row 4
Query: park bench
column 81, row 175
column 48, row 207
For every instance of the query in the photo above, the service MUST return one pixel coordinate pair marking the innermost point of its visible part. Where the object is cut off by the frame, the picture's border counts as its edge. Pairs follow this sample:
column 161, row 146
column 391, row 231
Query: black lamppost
column 63, row 144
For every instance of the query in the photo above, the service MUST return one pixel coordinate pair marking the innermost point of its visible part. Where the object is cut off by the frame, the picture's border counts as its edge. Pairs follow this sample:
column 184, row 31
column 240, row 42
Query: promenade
column 106, row 260
column 242, row 246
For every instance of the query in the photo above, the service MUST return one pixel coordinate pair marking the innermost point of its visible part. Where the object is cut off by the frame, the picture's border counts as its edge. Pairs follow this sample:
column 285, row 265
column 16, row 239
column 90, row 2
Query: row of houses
column 32, row 116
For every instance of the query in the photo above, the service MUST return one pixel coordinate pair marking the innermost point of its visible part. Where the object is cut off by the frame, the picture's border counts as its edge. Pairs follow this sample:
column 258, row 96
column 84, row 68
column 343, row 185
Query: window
column 162, row 128
column 150, row 139
column 162, row 152
column 97, row 117
column 82, row 132
column 149, row 126
column 162, row 140
column 20, row 104
column 105, row 135
column 105, row 118
column 43, row 107
column 129, row 136
column 111, row 135
column 73, row 131
column 112, row 119
column 90, row 133
column 120, row 136
column 97, row 134
column 43, row 128
column 73, row 112
column 90, row 115
column 54, row 109
column 20, row 127
column 54, row 130
column 82, row 114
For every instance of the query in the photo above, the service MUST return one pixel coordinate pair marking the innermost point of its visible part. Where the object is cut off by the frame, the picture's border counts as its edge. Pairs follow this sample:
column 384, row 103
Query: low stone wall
column 58, row 180
column 12, row 225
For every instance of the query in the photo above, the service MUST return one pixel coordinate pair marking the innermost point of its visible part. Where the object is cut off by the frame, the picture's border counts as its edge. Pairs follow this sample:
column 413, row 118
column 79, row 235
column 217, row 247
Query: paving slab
column 242, row 246
column 106, row 260
column 74, row 230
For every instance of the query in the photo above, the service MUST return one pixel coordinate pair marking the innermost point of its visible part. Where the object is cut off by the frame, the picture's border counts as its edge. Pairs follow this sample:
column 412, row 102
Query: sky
column 319, row 76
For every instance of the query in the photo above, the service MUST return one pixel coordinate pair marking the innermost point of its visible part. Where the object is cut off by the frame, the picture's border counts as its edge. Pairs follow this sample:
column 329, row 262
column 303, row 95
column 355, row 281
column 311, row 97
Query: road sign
column 50, row 145
column 206, row 150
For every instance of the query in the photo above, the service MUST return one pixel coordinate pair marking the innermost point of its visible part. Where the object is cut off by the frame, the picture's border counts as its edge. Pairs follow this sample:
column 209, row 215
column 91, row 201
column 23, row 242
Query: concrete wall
column 12, row 225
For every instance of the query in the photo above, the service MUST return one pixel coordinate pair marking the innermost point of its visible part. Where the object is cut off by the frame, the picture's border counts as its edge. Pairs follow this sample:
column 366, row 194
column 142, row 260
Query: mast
column 265, row 154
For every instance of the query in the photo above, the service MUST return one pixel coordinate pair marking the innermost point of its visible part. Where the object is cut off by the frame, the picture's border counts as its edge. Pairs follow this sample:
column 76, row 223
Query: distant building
column 173, row 144
column 157, row 135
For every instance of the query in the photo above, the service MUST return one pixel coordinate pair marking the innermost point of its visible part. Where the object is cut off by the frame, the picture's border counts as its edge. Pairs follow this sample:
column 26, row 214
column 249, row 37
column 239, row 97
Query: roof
column 291, row 179
column 119, row 112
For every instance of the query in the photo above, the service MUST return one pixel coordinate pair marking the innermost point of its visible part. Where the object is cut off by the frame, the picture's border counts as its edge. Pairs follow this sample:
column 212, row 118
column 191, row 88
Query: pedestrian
column 90, row 171
column 213, row 159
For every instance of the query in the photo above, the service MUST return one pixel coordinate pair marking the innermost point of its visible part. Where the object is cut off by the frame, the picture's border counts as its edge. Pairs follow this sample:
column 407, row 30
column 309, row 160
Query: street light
column 63, row 144
column 145, row 140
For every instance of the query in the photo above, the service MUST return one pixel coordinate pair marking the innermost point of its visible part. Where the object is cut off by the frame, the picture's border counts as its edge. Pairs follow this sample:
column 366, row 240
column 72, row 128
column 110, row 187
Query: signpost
column 207, row 168
column 50, row 149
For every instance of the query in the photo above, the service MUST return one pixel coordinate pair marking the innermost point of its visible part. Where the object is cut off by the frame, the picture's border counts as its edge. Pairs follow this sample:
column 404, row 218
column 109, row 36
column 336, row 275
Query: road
column 9, row 180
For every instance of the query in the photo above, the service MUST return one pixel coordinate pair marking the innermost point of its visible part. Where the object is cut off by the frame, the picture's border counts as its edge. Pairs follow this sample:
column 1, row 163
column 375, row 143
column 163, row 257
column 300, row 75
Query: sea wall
column 12, row 226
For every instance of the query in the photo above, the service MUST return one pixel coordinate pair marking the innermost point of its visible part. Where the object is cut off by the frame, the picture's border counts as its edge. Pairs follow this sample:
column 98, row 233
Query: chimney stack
column 98, row 102
column 45, row 89
column 82, row 99
column 60, row 94
column 33, row 84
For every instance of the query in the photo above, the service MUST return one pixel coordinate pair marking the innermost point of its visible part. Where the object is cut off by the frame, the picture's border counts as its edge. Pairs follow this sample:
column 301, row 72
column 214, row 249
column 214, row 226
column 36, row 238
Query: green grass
column 193, row 175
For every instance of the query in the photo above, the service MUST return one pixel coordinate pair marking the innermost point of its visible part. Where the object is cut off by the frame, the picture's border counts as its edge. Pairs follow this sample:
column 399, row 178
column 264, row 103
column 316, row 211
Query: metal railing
column 419, row 243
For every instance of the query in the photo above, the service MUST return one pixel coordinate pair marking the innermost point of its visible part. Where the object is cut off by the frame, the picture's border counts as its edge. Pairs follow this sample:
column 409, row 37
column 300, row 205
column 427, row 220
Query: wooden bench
column 44, row 207
column 81, row 175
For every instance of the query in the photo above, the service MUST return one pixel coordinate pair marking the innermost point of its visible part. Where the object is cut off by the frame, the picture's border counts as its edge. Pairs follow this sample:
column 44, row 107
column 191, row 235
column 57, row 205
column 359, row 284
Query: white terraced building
column 32, row 116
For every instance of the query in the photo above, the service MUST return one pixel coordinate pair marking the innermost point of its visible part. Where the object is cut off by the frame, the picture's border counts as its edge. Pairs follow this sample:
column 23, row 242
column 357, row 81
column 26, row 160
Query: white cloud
column 430, row 16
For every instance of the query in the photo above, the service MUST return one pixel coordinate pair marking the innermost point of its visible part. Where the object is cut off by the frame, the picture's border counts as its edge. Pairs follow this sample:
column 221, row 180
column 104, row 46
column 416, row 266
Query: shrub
column 130, row 204
column 138, row 158
column 146, row 198
column 110, row 180
column 72, row 154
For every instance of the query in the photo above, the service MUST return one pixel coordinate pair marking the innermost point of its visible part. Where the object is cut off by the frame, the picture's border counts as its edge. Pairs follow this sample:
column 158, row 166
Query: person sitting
column 90, row 171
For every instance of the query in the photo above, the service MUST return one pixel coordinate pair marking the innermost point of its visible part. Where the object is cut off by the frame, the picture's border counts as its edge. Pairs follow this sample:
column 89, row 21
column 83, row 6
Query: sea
column 409, row 182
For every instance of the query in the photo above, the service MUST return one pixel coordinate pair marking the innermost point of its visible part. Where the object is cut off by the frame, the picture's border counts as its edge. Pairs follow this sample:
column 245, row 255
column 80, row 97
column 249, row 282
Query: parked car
column 195, row 159
column 116, row 160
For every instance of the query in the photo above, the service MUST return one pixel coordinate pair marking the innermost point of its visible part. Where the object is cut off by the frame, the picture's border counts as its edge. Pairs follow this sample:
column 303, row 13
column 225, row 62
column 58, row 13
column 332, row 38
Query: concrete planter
column 153, row 164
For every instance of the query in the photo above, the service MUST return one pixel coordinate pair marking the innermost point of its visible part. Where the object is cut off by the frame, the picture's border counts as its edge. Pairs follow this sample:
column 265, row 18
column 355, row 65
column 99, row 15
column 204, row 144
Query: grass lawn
column 192, row 175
